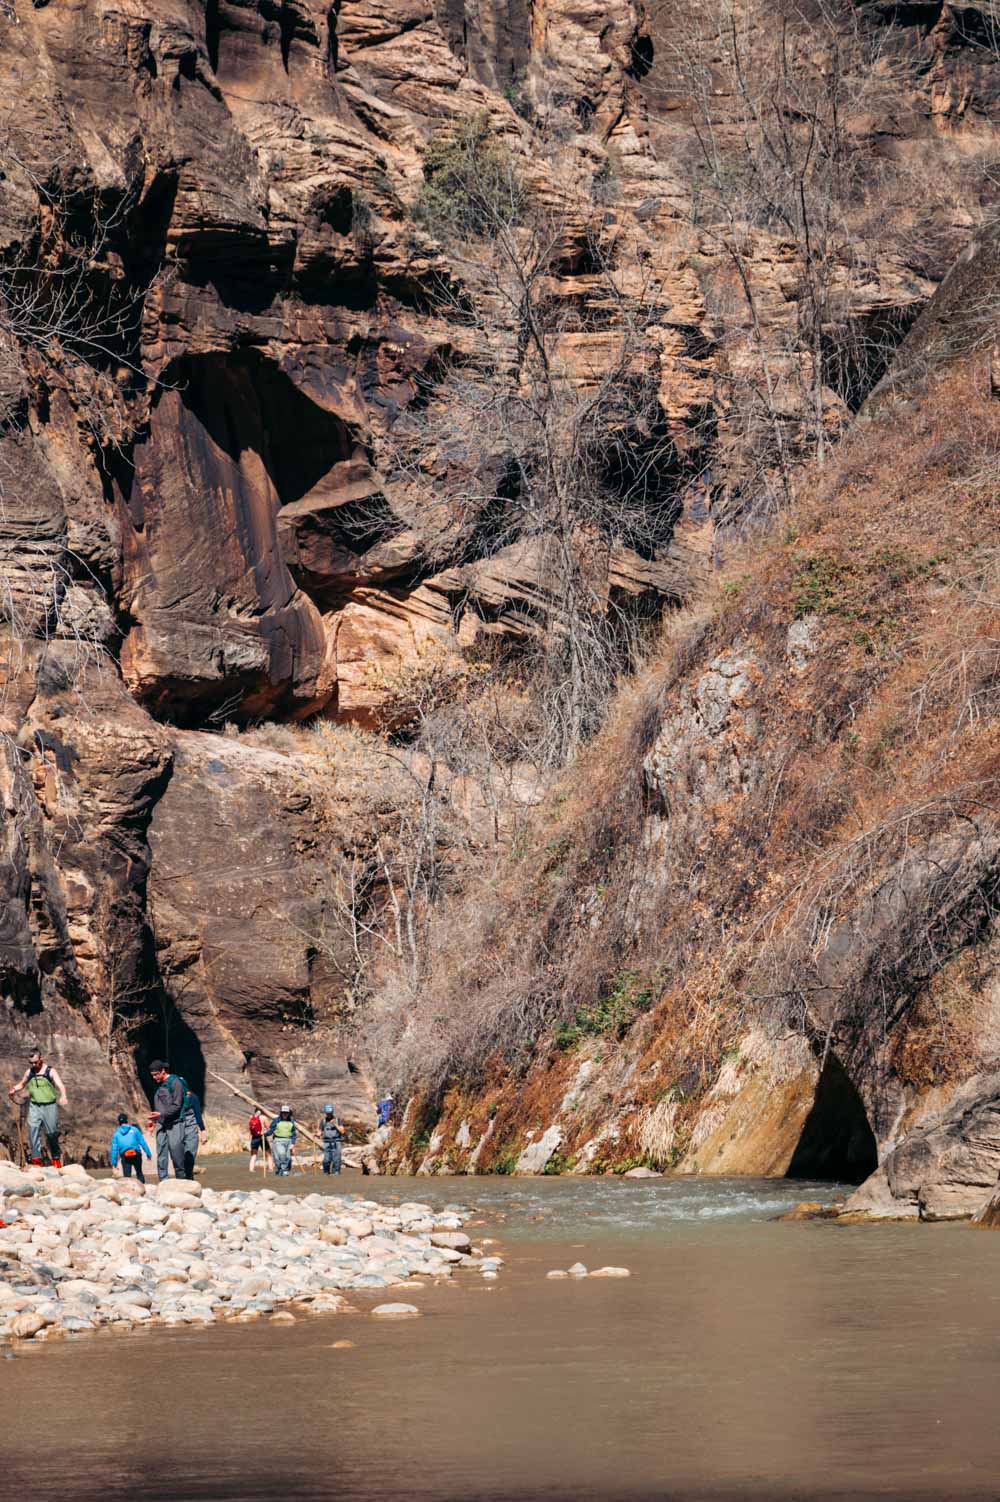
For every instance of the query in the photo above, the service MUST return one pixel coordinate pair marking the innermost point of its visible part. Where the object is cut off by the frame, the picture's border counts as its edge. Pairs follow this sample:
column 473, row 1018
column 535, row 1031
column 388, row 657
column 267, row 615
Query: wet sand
column 743, row 1358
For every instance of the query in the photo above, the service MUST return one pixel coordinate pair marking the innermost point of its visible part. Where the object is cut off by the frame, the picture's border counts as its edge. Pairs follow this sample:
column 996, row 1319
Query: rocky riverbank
column 78, row 1254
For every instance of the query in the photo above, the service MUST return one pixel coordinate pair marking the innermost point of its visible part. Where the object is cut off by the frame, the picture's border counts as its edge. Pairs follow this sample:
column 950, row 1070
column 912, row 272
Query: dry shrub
column 224, row 1135
column 550, row 931
column 943, row 1039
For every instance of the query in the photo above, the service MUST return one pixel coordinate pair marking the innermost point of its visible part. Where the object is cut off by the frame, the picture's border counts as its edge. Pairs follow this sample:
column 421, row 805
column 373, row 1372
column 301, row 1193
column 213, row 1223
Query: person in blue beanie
column 128, row 1145
column 331, row 1131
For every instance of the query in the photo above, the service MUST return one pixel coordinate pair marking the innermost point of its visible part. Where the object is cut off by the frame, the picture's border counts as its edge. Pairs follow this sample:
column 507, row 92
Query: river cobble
column 78, row 1254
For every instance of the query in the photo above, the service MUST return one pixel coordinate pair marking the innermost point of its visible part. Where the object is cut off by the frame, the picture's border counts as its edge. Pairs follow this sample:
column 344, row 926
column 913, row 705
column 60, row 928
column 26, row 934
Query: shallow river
column 743, row 1358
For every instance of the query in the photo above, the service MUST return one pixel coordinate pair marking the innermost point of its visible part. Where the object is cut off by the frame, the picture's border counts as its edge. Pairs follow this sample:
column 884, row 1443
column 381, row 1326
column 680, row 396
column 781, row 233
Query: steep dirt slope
column 756, row 931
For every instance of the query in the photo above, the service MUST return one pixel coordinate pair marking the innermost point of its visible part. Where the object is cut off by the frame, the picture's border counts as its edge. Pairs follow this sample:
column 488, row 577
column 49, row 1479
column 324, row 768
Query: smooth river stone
column 27, row 1325
column 396, row 1311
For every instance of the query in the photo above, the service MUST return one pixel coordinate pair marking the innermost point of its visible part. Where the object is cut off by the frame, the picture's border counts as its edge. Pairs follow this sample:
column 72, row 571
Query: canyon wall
column 222, row 306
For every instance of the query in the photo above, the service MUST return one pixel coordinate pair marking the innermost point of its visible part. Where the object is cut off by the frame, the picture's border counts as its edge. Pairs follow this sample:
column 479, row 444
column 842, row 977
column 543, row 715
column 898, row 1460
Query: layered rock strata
column 218, row 301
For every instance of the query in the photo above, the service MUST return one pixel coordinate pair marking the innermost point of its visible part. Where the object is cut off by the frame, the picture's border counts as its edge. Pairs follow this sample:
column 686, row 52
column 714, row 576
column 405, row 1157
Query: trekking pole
column 16, row 1113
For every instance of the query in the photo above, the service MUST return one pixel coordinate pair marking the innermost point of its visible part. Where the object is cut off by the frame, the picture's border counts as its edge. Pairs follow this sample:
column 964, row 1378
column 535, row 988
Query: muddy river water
column 743, row 1358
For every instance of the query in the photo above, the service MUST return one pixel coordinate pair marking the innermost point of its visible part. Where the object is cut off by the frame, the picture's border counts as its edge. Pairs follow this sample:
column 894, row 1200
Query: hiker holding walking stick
column 46, row 1093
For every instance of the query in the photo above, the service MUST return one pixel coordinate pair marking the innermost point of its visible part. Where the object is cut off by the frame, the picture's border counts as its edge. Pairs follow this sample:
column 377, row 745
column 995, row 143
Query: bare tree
column 780, row 173
column 545, row 476
column 70, row 313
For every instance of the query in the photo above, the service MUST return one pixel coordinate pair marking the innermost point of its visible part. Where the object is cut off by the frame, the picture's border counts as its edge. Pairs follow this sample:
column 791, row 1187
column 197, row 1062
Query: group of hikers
column 176, row 1117
column 283, row 1135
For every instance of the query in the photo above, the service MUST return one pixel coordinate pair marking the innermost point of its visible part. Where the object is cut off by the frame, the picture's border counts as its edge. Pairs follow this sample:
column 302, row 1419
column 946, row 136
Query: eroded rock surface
column 209, row 514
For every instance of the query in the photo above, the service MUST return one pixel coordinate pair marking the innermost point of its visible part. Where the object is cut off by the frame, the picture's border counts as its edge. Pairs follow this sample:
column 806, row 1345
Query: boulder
column 178, row 1192
column 456, row 1241
column 26, row 1326
column 534, row 1157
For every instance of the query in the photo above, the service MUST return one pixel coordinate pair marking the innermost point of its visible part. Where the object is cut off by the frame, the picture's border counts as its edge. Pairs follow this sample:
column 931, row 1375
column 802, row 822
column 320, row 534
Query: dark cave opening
column 837, row 1141
column 170, row 1037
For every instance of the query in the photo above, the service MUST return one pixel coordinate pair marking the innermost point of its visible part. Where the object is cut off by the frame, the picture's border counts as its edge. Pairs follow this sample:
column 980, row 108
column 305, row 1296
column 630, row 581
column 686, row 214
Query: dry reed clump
column 224, row 1135
column 866, row 828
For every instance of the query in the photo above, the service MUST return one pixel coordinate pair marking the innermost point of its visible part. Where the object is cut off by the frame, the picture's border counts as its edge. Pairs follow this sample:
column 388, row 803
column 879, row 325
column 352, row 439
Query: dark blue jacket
column 193, row 1105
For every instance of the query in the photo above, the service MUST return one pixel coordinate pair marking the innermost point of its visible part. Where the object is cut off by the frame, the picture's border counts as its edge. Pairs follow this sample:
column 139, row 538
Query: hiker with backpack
column 331, row 1131
column 46, row 1093
column 127, row 1146
column 283, row 1134
column 167, row 1116
column 194, row 1130
column 256, row 1129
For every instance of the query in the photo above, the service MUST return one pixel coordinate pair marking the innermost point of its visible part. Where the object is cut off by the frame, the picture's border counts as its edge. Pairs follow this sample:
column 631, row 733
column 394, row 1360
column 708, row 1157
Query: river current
column 743, row 1358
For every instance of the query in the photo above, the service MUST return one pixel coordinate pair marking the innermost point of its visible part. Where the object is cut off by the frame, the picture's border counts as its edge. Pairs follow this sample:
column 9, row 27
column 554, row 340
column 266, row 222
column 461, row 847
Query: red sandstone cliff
column 209, row 515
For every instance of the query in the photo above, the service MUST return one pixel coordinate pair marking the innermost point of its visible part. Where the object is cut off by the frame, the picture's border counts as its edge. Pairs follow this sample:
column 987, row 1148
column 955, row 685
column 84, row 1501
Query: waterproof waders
column 43, row 1116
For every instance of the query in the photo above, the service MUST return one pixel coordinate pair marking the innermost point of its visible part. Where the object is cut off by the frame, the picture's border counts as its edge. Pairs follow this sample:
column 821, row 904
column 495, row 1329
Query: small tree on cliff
column 783, row 186
column 69, row 321
column 547, row 449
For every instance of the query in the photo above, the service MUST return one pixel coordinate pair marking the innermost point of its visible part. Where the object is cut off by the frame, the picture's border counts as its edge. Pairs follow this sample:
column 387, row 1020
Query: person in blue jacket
column 385, row 1110
column 128, row 1144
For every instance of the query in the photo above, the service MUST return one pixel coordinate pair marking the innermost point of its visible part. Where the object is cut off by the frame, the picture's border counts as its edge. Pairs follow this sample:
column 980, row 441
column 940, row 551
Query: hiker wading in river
column 282, row 1133
column 46, row 1093
column 331, row 1131
column 194, row 1129
column 256, row 1129
column 167, row 1116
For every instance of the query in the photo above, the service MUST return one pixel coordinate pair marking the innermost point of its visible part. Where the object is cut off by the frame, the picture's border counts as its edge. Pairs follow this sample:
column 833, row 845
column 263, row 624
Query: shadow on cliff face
column 247, row 403
column 837, row 1141
column 169, row 1037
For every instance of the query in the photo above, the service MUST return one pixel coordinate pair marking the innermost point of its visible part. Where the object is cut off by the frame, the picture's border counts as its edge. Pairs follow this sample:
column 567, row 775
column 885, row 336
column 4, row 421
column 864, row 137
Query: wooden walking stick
column 16, row 1112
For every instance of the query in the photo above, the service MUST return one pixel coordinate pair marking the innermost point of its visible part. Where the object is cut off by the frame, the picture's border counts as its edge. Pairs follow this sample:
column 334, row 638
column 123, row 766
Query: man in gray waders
column 331, row 1131
column 282, row 1133
column 167, row 1116
column 46, row 1093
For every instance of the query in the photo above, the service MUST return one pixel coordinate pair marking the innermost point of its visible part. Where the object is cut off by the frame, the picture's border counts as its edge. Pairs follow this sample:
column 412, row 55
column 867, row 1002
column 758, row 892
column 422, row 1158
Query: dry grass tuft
column 225, row 1135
